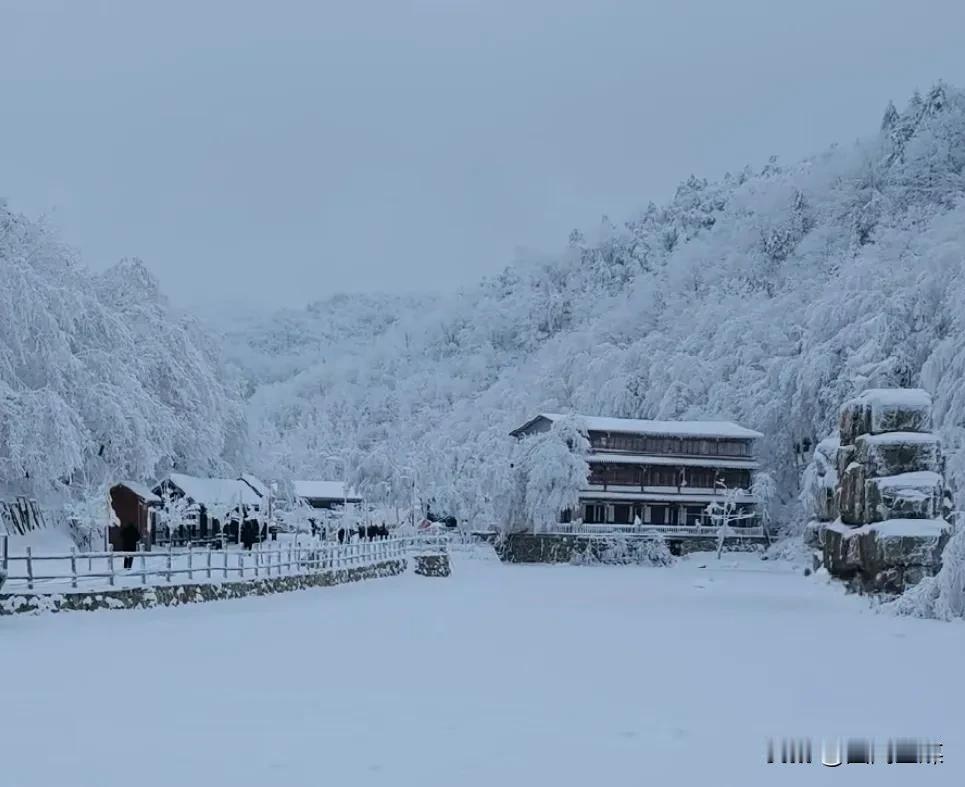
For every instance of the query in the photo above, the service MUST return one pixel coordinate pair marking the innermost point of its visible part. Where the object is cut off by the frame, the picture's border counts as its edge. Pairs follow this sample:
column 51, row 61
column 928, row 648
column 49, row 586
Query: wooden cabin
column 660, row 473
column 133, row 502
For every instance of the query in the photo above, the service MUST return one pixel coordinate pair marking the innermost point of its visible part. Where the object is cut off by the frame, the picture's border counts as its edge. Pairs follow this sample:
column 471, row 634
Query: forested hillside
column 767, row 297
column 99, row 377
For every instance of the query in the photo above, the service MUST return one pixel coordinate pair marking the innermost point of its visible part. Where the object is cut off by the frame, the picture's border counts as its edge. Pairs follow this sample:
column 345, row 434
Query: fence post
column 190, row 561
column 30, row 570
column 143, row 569
column 110, row 566
column 257, row 559
column 170, row 555
column 73, row 567
column 6, row 555
column 241, row 565
column 209, row 563
column 224, row 551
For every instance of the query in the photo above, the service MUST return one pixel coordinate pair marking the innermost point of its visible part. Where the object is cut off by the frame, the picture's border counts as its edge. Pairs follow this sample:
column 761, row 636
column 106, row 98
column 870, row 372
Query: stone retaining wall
column 194, row 593
column 558, row 548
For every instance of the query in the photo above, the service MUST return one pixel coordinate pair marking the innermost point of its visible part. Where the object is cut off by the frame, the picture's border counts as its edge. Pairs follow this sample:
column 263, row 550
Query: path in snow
column 501, row 675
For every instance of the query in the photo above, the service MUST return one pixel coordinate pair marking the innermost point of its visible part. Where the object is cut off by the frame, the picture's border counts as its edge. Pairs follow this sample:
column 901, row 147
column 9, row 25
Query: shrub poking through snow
column 623, row 551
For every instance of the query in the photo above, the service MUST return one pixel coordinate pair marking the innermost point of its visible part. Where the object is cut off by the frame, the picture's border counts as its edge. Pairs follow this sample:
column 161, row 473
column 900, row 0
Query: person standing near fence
column 249, row 533
column 129, row 538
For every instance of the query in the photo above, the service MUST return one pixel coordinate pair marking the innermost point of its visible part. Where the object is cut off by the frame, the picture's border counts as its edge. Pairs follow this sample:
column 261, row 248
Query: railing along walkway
column 53, row 572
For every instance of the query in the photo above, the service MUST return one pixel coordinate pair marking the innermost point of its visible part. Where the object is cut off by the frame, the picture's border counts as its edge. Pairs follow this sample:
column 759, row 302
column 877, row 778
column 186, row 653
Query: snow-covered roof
column 597, row 423
column 260, row 487
column 141, row 491
column 324, row 490
column 215, row 491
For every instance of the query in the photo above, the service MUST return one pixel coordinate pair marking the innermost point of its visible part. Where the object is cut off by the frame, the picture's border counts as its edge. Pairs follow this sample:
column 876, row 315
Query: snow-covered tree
column 100, row 377
column 549, row 470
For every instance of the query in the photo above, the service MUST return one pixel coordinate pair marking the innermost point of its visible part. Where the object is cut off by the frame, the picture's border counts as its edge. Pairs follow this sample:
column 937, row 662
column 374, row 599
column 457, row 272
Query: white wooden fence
column 55, row 571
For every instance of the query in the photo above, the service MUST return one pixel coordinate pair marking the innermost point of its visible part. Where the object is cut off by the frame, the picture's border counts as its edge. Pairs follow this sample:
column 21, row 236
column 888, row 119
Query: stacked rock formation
column 891, row 527
column 820, row 496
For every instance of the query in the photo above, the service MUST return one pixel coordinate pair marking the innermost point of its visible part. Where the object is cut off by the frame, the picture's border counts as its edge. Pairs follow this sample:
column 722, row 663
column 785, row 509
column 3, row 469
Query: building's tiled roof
column 709, row 429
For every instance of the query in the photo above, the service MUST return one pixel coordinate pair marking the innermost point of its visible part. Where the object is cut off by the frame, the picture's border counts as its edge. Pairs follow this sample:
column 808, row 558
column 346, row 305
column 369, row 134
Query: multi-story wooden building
column 662, row 473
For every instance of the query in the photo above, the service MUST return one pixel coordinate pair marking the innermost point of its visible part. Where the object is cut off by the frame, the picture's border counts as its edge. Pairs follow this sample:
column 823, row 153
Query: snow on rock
column 907, row 528
column 880, row 410
column 814, row 534
column 851, row 494
column 898, row 452
column 820, row 480
column 886, row 556
column 917, row 495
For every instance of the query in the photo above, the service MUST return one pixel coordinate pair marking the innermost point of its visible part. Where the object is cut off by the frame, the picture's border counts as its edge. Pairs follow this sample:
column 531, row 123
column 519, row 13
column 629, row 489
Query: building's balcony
column 696, row 531
column 635, row 458
column 661, row 494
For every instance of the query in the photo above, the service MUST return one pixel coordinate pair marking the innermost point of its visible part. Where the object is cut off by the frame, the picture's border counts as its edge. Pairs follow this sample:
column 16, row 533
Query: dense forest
column 767, row 297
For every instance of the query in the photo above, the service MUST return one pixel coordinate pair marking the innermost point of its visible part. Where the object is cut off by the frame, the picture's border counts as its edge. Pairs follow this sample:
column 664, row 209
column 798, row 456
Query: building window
column 732, row 448
column 658, row 515
column 700, row 477
column 694, row 515
column 662, row 476
column 621, row 514
column 593, row 514
column 624, row 474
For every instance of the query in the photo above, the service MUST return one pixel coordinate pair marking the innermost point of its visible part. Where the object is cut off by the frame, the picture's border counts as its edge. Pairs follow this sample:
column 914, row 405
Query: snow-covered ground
column 500, row 675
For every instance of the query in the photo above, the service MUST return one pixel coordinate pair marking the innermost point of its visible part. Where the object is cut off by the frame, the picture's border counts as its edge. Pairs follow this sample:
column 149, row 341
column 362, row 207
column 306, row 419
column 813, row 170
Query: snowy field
column 499, row 676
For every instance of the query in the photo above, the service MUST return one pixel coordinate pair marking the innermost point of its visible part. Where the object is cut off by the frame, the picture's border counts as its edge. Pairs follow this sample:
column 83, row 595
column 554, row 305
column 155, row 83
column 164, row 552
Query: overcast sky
column 285, row 150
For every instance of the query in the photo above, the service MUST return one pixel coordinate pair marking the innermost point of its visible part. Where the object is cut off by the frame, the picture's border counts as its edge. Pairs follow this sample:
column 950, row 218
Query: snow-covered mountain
column 768, row 297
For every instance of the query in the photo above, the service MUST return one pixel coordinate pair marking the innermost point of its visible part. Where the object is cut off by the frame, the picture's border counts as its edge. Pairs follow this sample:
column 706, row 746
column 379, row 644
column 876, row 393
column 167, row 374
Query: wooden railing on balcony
column 705, row 531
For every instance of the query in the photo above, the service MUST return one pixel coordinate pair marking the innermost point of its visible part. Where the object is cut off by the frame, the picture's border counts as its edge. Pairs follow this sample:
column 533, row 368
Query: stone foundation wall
column 194, row 593
column 557, row 548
